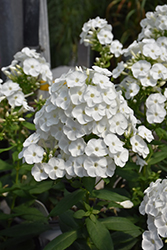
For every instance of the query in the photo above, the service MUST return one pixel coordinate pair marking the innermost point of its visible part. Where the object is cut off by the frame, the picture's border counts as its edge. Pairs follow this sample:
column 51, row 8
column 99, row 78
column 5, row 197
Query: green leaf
column 89, row 183
column 29, row 213
column 29, row 125
column 99, row 235
column 29, row 229
column 123, row 241
column 106, row 194
column 5, row 166
column 62, row 241
column 162, row 134
column 41, row 187
column 67, row 221
column 67, row 202
column 158, row 156
column 79, row 214
column 121, row 224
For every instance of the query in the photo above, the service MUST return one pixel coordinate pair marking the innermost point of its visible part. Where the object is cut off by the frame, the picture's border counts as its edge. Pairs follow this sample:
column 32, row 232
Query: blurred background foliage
column 66, row 18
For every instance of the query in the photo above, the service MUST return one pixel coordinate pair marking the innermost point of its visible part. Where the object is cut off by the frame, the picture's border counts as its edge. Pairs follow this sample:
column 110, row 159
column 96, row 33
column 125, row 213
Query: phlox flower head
column 154, row 205
column 80, row 129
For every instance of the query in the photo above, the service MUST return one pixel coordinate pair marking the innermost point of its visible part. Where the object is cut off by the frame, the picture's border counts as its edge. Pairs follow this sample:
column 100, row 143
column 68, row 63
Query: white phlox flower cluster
column 32, row 64
column 155, row 23
column 82, row 128
column 99, row 29
column 154, row 205
column 146, row 71
column 13, row 93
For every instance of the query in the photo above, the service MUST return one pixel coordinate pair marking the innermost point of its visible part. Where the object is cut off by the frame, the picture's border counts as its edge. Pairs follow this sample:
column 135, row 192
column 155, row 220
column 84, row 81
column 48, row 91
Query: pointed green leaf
column 99, row 235
column 79, row 214
column 5, row 166
column 67, row 202
column 121, row 224
column 29, row 125
column 106, row 194
column 158, row 156
column 62, row 241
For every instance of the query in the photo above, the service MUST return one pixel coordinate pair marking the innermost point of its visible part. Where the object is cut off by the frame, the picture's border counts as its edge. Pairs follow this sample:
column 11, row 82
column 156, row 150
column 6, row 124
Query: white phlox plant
column 154, row 206
column 99, row 30
column 83, row 129
column 29, row 62
column 146, row 71
column 14, row 95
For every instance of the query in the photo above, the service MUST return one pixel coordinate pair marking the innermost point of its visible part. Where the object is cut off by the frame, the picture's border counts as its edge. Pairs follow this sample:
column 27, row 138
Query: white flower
column 140, row 68
column 95, row 166
column 158, row 71
column 76, row 94
column 145, row 133
column 148, row 80
column 109, row 95
column 33, row 154
column 118, row 124
column 96, row 147
column 79, row 113
column 116, row 48
column 73, row 130
column 31, row 66
column 151, row 241
column 160, row 222
column 105, row 35
column 78, row 166
column 110, row 168
column 118, row 70
column 121, row 158
column 139, row 146
column 155, row 114
column 38, row 172
column 101, row 80
column 33, row 138
column 151, row 50
column 96, row 112
column 9, row 88
column 55, row 168
column 77, row 147
column 92, row 96
column 102, row 70
column 140, row 162
column 62, row 100
column 16, row 99
column 132, row 90
column 155, row 99
column 76, row 79
column 114, row 143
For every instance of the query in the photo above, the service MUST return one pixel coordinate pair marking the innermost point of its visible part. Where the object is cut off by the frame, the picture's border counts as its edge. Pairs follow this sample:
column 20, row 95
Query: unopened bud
column 21, row 119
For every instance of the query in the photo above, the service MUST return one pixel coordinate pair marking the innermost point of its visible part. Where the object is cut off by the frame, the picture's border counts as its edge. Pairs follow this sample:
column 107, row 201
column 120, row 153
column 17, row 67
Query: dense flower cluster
column 13, row 93
column 82, row 129
column 154, row 205
column 155, row 23
column 31, row 68
column 98, row 30
column 146, row 70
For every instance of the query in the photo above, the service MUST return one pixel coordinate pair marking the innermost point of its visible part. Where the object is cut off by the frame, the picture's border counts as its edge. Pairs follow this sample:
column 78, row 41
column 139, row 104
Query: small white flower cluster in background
column 13, row 93
column 32, row 64
column 155, row 23
column 98, row 29
column 146, row 70
column 154, row 205
column 82, row 129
